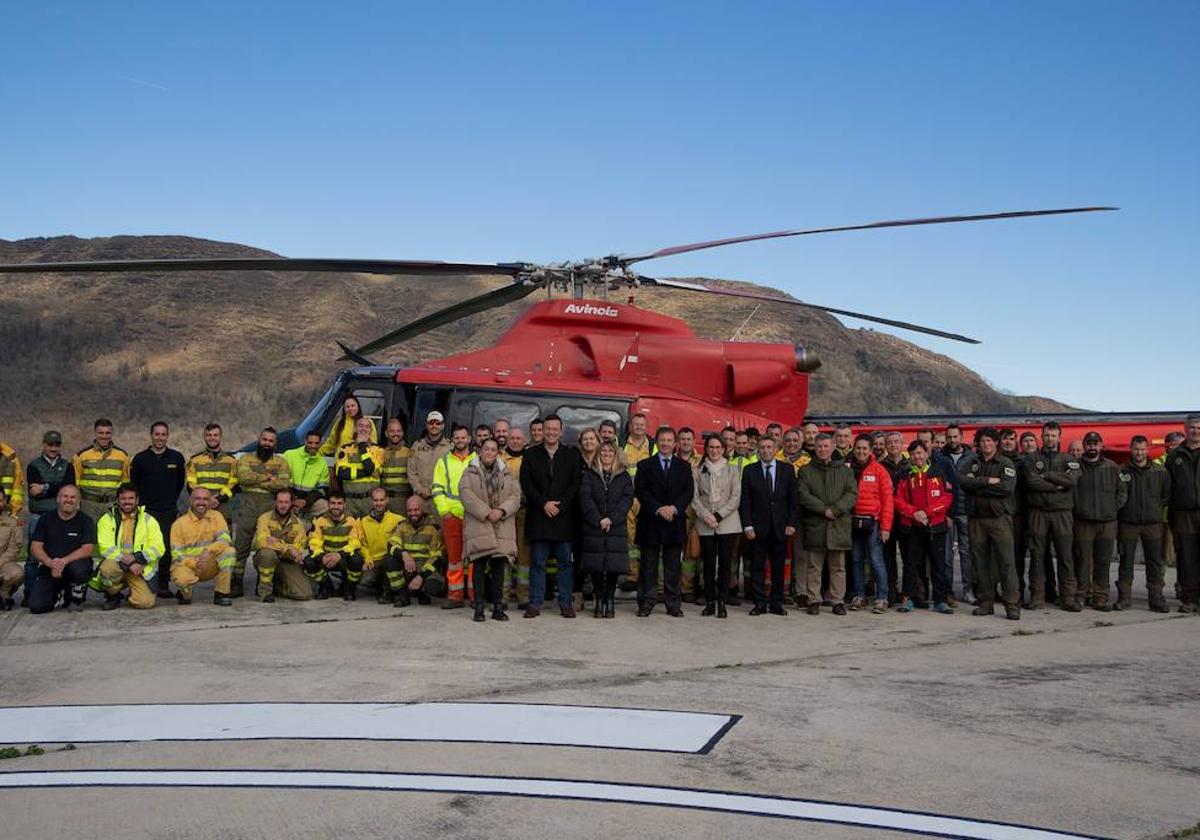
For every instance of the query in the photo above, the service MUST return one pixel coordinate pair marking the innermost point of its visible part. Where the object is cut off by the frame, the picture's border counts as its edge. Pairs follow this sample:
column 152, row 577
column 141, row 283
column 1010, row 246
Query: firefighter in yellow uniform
column 259, row 474
column 280, row 546
column 99, row 470
column 414, row 552
column 129, row 544
column 335, row 544
column 12, row 479
column 201, row 550
column 393, row 472
column 377, row 527
column 638, row 446
column 213, row 468
column 12, row 539
column 357, row 469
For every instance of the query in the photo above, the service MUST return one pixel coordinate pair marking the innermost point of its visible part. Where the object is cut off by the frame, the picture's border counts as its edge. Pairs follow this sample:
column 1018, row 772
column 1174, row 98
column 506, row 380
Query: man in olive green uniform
column 424, row 456
column 826, row 491
column 1140, row 520
column 393, row 473
column 99, row 470
column 990, row 482
column 259, row 474
column 1050, row 477
column 1099, row 494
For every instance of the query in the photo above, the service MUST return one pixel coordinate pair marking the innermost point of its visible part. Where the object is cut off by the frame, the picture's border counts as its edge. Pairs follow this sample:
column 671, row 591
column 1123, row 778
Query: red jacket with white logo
column 926, row 489
column 875, row 494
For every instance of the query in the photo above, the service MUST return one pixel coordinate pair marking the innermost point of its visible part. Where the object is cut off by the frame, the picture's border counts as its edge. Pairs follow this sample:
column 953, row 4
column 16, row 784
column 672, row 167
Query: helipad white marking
column 762, row 806
column 509, row 723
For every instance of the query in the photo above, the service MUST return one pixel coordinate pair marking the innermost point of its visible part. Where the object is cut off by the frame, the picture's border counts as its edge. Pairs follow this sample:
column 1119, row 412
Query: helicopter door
column 429, row 398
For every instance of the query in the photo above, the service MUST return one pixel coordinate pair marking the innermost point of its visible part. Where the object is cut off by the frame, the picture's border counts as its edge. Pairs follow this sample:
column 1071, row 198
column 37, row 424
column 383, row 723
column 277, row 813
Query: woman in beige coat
column 491, row 497
column 718, row 491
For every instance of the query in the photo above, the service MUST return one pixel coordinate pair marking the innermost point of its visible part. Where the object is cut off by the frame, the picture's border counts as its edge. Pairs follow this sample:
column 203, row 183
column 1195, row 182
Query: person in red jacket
column 871, row 525
column 923, row 500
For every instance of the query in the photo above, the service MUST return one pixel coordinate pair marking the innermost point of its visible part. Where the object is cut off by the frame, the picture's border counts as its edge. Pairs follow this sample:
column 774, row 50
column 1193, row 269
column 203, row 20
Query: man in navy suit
column 768, row 513
column 663, row 487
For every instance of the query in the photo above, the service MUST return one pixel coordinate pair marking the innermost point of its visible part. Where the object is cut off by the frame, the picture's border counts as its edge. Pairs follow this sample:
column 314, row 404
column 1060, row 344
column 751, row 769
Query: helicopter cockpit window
column 516, row 413
column 577, row 418
column 373, row 404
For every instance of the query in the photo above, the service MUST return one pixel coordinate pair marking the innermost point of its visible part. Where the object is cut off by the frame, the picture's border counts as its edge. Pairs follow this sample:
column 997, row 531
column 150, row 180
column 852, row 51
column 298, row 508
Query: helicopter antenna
column 738, row 331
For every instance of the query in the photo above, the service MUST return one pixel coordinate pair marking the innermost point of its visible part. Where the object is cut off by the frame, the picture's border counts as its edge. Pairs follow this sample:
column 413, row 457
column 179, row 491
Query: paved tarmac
column 1085, row 723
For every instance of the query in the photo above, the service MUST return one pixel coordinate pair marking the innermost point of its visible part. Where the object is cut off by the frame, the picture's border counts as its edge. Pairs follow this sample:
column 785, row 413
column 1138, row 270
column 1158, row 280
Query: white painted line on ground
column 507, row 723
column 616, row 793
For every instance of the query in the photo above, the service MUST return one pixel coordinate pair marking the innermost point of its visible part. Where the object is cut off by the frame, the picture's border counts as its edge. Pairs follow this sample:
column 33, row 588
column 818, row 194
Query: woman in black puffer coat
column 605, row 497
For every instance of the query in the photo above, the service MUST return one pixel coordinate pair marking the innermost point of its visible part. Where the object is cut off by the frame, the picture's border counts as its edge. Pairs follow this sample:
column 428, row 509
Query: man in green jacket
column 1050, row 477
column 1140, row 520
column 826, row 491
column 310, row 477
column 990, row 483
column 1099, row 494
column 1183, row 463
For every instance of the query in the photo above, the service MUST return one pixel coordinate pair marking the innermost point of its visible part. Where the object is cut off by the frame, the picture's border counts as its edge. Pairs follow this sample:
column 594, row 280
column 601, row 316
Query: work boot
column 1187, row 608
column 610, row 606
column 237, row 588
column 984, row 609
column 1159, row 606
column 350, row 591
column 814, row 608
column 710, row 608
column 423, row 599
column 222, row 600
column 1072, row 606
column 479, row 616
column 1012, row 613
column 111, row 602
column 598, row 609
column 7, row 604
column 269, row 598
column 324, row 589
column 1101, row 606
column 401, row 598
column 383, row 596
column 839, row 609
column 184, row 598
column 498, row 613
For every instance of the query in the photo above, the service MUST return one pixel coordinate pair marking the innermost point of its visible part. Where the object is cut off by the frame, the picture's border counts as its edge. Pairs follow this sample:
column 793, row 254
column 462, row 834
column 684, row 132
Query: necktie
column 666, row 464
column 770, row 478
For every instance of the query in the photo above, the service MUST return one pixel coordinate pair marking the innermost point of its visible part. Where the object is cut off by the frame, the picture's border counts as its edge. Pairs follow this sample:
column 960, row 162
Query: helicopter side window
column 374, row 405
column 576, row 418
column 516, row 413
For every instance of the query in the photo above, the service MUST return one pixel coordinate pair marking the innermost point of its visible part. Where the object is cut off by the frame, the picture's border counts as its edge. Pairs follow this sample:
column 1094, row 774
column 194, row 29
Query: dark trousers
column 1094, row 544
column 1185, row 529
column 487, row 575
column 992, row 545
column 45, row 590
column 1150, row 536
column 716, row 552
column 604, row 584
column 925, row 548
column 1020, row 548
column 893, row 547
column 165, row 519
column 672, row 563
column 1046, row 528
column 767, row 549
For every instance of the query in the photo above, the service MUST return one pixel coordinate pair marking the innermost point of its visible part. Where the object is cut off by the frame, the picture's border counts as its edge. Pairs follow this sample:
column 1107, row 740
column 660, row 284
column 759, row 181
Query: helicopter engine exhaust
column 806, row 360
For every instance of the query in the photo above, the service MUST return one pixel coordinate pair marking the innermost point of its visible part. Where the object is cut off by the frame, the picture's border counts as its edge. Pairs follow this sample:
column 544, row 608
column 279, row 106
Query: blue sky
column 547, row 131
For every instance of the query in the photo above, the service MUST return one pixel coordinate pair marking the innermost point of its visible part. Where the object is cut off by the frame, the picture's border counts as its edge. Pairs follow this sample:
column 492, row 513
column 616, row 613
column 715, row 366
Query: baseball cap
column 53, row 438
column 1092, row 437
column 435, row 415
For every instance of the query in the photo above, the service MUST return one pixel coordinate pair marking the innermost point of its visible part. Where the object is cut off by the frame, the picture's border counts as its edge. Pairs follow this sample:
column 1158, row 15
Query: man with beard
column 810, row 430
column 500, row 430
column 1050, row 477
column 843, row 443
column 953, row 454
column 280, row 545
column 989, row 482
column 1183, row 465
column 393, row 473
column 130, row 543
column 415, row 549
column 310, row 476
column 1140, row 520
column 357, row 468
column 201, row 550
column 447, row 475
column 99, row 470
column 424, row 456
column 335, row 544
column 259, row 474
column 213, row 468
column 1099, row 495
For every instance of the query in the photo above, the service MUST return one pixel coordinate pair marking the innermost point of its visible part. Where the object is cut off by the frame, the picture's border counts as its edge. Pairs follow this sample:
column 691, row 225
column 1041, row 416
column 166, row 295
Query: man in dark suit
column 663, row 487
column 768, row 513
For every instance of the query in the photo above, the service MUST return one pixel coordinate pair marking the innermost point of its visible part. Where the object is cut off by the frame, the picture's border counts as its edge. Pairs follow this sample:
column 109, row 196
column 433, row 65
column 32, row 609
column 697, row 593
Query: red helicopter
column 590, row 359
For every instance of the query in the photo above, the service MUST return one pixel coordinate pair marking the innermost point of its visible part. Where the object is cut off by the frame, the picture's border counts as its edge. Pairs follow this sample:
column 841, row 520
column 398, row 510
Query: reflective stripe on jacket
column 447, row 474
column 99, row 472
column 343, row 536
column 207, row 537
column 114, row 540
column 212, row 471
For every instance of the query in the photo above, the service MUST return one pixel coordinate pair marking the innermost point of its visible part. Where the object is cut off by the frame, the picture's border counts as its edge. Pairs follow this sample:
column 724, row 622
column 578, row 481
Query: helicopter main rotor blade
column 395, row 267
column 904, row 325
column 479, row 303
column 933, row 220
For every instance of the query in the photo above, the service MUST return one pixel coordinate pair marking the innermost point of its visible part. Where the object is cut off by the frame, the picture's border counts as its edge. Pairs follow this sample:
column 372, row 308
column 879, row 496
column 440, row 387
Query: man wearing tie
column 768, row 513
column 663, row 487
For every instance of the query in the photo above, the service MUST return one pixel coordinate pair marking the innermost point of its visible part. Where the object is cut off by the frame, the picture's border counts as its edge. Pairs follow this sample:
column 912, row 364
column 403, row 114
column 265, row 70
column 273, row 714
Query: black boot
column 598, row 609
column 479, row 613
column 610, row 606
column 710, row 608
column 498, row 613
column 324, row 589
column 401, row 598
column 349, row 591
column 721, row 610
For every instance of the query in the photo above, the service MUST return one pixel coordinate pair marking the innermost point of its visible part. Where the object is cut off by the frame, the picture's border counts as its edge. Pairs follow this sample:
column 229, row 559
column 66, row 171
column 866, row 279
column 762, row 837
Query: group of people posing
column 489, row 515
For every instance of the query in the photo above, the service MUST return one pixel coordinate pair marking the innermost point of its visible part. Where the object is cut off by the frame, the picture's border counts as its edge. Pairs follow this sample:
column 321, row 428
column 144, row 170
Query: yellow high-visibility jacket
column 358, row 471
column 447, row 473
column 196, row 537
column 213, row 471
column 137, row 533
column 12, row 477
column 344, row 536
column 376, row 533
column 99, row 472
column 281, row 534
column 423, row 542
